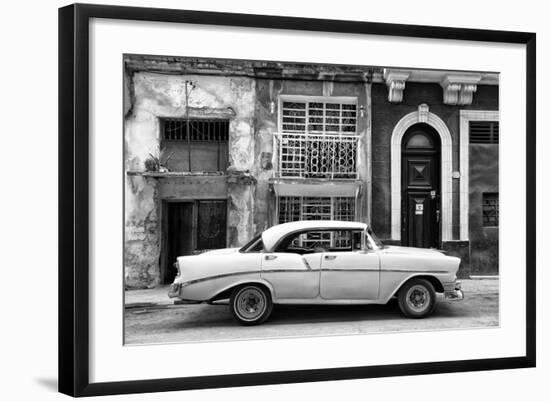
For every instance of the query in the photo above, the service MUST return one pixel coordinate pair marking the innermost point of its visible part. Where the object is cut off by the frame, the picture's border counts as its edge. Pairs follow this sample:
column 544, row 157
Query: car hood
column 410, row 250
column 223, row 251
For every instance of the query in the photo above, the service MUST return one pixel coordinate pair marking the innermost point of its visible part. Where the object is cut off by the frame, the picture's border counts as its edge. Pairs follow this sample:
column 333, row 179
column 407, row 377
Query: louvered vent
column 484, row 132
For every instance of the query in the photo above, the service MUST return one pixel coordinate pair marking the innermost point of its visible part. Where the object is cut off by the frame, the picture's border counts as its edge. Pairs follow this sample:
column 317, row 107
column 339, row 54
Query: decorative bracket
column 459, row 89
column 395, row 81
column 423, row 113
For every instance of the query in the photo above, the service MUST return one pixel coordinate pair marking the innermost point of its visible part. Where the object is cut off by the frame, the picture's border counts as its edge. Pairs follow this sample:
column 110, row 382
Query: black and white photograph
column 273, row 199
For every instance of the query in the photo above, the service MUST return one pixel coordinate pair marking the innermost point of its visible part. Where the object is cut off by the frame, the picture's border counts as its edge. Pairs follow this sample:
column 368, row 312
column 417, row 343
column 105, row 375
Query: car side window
column 346, row 241
column 257, row 247
column 318, row 241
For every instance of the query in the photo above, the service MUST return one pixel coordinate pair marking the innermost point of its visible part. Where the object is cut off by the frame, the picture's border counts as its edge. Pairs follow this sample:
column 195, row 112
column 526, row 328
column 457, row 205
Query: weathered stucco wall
column 142, row 233
column 150, row 96
column 265, row 125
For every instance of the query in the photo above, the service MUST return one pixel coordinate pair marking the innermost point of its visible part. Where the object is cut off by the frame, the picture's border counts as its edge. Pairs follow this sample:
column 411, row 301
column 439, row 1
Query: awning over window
column 320, row 188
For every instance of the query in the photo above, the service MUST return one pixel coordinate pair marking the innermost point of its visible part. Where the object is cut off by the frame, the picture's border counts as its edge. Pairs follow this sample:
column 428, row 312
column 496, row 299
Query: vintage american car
column 317, row 262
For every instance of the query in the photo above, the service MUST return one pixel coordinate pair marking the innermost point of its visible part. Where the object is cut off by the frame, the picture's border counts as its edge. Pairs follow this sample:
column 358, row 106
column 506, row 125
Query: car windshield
column 253, row 245
column 377, row 244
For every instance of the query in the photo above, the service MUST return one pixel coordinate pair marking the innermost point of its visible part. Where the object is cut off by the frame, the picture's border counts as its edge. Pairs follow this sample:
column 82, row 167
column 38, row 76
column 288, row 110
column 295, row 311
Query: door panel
column 350, row 275
column 292, row 275
column 179, row 235
column 211, row 227
column 420, row 215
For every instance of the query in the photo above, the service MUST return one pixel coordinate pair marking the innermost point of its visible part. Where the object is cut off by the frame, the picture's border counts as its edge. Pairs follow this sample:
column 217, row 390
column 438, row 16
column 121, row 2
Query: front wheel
column 250, row 304
column 416, row 298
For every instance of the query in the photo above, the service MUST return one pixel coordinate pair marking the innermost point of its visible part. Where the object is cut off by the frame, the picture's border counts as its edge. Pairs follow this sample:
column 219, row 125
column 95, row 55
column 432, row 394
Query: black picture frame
column 74, row 198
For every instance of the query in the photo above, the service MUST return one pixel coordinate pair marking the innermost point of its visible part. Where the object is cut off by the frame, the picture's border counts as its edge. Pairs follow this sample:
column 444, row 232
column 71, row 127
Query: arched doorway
column 421, row 187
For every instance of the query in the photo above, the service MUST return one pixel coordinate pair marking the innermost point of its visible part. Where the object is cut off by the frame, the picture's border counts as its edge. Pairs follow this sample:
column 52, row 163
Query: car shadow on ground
column 299, row 314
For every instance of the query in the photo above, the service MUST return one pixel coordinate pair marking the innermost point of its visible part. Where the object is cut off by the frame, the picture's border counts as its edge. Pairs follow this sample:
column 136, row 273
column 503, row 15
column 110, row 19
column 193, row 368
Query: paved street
column 152, row 318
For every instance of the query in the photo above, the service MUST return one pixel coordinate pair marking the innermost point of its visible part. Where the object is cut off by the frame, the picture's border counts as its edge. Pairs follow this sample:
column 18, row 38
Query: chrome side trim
column 414, row 271
column 218, row 276
column 350, row 270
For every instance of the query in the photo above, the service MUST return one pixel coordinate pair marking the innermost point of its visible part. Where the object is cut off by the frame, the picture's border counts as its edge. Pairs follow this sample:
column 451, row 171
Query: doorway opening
column 191, row 227
column 421, row 183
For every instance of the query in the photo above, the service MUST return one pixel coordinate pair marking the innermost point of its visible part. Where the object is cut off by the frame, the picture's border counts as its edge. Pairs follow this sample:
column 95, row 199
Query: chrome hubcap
column 251, row 303
column 418, row 298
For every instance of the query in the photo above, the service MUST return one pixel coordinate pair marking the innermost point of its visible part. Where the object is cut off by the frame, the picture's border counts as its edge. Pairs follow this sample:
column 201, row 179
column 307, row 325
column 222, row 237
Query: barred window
column 490, row 209
column 198, row 145
column 296, row 208
column 319, row 117
column 318, row 139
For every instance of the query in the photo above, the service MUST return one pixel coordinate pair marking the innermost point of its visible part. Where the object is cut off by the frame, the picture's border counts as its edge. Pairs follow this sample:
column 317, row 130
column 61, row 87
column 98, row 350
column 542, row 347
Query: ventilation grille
column 484, row 132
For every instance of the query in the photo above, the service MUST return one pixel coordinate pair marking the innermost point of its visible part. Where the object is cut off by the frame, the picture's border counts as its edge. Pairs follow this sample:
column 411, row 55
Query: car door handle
column 330, row 257
column 270, row 257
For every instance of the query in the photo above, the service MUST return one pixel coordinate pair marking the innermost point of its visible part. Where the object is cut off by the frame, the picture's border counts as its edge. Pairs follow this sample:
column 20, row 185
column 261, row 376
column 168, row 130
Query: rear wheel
column 250, row 304
column 416, row 298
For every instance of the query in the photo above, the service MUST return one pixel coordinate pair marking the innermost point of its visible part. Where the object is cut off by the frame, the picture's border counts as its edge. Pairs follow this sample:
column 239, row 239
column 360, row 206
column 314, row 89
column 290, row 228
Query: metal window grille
column 296, row 208
column 175, row 129
column 484, row 132
column 194, row 145
column 490, row 206
column 319, row 140
column 319, row 117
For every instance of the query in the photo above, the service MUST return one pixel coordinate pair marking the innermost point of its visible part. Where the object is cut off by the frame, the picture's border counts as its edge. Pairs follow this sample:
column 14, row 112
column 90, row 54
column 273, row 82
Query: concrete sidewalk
column 147, row 297
column 159, row 296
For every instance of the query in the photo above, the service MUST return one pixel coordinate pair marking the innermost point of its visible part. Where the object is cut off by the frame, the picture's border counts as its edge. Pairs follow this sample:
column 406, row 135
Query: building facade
column 217, row 151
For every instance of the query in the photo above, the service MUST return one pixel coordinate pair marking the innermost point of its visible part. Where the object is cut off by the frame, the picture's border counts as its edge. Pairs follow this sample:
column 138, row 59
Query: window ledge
column 158, row 174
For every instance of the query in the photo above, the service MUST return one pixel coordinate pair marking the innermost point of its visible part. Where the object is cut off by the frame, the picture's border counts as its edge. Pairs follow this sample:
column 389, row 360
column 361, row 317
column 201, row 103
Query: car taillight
column 177, row 267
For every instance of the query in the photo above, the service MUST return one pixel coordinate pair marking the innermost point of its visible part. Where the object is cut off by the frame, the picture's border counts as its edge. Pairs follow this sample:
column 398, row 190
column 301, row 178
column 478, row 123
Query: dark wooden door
column 420, row 184
column 211, row 227
column 179, row 235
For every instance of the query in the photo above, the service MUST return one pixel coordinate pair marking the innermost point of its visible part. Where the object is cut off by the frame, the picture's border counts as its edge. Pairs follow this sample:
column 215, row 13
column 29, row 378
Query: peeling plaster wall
column 265, row 126
column 142, row 234
column 149, row 96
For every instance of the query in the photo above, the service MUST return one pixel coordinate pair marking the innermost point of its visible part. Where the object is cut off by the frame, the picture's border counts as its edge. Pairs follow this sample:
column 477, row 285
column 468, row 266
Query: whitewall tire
column 251, row 304
column 417, row 298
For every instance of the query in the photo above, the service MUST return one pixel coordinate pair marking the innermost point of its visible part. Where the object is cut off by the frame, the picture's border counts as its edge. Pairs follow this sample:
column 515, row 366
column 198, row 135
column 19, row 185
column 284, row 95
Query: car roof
column 272, row 235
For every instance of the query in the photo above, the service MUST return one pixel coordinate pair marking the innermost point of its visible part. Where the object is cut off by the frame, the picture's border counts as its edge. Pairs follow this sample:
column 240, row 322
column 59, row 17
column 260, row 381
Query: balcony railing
column 317, row 155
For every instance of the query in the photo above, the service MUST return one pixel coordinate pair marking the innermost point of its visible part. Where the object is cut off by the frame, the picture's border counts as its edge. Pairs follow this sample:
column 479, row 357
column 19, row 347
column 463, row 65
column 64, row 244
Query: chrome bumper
column 454, row 294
